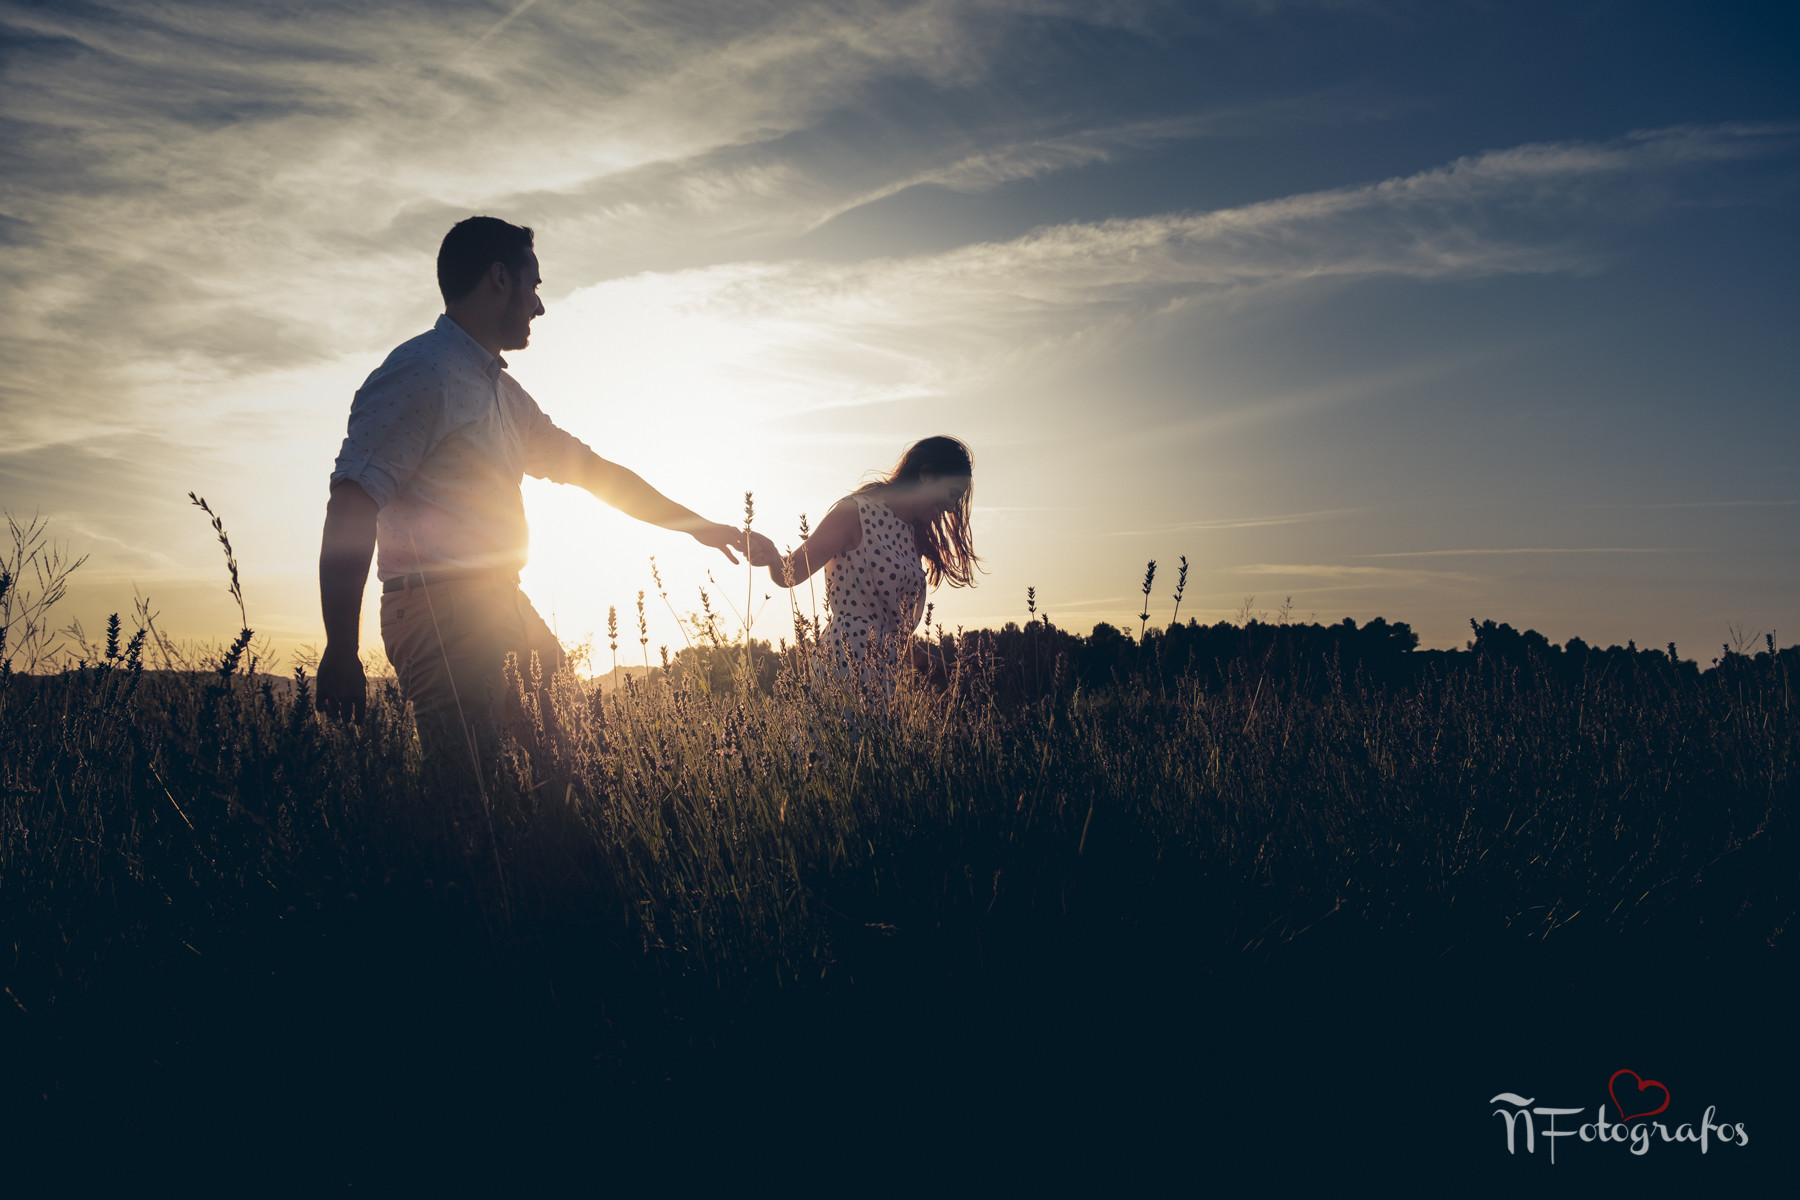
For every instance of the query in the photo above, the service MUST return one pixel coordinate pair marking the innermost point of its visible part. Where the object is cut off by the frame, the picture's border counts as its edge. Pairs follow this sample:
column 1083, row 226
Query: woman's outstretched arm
column 840, row 531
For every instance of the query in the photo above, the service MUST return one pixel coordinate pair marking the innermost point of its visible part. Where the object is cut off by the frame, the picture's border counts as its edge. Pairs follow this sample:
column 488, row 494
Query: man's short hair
column 474, row 245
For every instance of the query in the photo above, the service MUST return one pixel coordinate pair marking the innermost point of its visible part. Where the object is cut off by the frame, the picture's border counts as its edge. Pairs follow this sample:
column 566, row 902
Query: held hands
column 341, row 688
column 722, row 538
column 762, row 551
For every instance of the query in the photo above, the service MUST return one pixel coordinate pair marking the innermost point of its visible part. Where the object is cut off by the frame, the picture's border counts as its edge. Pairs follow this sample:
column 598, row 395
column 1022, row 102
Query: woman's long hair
column 945, row 543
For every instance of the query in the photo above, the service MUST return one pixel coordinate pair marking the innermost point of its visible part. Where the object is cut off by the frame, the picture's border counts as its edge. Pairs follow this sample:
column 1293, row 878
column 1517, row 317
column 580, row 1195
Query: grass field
column 1238, row 894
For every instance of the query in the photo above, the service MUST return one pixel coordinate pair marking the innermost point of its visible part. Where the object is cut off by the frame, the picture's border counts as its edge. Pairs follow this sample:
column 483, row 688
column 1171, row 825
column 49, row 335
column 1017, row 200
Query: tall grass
column 1213, row 796
column 738, row 829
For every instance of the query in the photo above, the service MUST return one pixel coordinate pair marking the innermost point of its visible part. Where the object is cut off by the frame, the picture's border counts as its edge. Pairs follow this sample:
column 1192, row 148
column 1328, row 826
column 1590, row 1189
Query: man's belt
column 421, row 578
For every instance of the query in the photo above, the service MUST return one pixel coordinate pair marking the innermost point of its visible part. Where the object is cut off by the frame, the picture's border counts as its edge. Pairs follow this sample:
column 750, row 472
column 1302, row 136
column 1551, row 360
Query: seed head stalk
column 228, row 665
column 1032, row 626
column 749, row 591
column 612, row 637
column 811, row 594
column 643, row 635
column 237, row 593
column 1144, row 617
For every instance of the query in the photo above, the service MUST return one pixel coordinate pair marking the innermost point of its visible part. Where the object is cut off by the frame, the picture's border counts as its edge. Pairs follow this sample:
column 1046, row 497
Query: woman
column 880, row 547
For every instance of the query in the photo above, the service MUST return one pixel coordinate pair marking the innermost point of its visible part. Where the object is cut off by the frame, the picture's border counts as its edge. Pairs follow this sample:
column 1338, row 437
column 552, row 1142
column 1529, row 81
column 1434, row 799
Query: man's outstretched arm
column 344, row 553
column 625, row 490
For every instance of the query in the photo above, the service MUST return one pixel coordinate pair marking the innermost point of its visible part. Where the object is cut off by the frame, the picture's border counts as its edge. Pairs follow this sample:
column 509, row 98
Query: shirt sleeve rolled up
column 395, row 420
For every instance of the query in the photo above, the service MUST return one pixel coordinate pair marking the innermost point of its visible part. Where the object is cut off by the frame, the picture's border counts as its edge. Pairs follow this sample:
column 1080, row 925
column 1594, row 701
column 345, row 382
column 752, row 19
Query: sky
column 1434, row 311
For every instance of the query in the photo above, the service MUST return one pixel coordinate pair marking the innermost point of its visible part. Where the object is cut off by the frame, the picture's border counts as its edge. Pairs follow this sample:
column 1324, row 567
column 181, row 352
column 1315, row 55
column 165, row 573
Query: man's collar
column 493, row 364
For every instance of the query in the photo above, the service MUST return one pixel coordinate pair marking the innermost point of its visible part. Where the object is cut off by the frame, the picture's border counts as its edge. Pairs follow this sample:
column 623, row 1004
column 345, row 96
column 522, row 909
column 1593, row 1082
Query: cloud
column 496, row 29
column 257, row 186
column 1451, row 222
column 1510, row 550
column 1703, row 504
column 1090, row 604
column 1032, row 157
column 215, row 190
column 110, row 493
column 816, row 336
column 1349, row 577
column 1260, row 522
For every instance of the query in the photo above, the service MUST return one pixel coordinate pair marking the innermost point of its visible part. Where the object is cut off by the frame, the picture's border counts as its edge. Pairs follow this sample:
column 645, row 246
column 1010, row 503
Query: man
column 440, row 437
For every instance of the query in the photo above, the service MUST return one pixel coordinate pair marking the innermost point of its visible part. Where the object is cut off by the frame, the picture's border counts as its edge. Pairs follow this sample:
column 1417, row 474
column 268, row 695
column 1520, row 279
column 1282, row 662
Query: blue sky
column 1430, row 311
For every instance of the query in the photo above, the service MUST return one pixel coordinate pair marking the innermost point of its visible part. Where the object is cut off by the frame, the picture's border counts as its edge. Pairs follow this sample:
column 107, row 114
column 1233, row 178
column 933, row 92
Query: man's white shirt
column 440, row 438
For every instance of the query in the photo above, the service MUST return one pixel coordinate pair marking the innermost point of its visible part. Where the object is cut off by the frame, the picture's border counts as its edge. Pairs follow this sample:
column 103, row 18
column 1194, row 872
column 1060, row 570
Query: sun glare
column 655, row 379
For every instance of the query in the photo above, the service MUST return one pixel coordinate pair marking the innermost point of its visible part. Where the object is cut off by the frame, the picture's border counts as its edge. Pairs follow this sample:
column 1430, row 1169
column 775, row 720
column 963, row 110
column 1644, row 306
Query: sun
column 657, row 388
column 692, row 382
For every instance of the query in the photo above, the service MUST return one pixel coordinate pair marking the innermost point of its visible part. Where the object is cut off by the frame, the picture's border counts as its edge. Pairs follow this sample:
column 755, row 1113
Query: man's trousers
column 448, row 641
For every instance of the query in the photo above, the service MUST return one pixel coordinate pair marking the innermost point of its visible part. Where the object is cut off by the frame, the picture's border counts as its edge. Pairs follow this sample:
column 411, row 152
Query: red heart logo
column 1643, row 1085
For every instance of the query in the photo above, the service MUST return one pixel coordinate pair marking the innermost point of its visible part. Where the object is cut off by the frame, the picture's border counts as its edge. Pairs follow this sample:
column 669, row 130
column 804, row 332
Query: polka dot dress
column 874, row 593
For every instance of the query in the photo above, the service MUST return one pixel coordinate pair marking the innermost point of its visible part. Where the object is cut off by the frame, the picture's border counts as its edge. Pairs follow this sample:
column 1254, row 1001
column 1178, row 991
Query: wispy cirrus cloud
column 1703, row 504
column 1257, row 522
column 817, row 336
column 1507, row 551
column 204, row 184
column 1047, row 152
column 1341, row 576
column 198, row 193
column 1450, row 222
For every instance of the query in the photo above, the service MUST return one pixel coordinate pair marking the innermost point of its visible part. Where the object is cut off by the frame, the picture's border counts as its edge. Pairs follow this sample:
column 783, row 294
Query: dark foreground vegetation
column 1230, row 903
